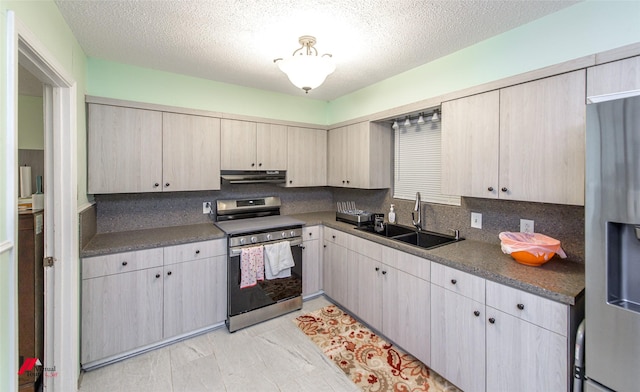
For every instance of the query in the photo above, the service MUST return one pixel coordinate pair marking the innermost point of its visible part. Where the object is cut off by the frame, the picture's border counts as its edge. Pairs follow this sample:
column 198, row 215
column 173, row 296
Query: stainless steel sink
column 421, row 239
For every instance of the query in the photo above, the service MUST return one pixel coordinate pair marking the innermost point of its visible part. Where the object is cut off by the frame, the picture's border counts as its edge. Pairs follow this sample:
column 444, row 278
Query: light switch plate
column 476, row 220
column 206, row 207
column 526, row 226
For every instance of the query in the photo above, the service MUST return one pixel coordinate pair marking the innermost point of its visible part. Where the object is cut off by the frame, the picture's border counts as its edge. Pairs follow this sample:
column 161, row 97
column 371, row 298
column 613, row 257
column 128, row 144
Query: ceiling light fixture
column 395, row 124
column 435, row 116
column 421, row 119
column 407, row 122
column 305, row 69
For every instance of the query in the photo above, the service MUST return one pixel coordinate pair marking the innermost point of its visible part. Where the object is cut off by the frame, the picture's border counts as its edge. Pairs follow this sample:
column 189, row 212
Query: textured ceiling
column 236, row 41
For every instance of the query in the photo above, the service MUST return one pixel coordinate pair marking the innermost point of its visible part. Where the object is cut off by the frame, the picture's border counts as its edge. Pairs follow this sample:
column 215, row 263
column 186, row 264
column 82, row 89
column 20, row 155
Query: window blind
column 417, row 163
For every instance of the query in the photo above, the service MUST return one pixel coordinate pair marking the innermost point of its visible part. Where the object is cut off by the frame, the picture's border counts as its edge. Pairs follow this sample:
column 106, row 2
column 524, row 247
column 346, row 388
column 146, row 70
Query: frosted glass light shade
column 307, row 71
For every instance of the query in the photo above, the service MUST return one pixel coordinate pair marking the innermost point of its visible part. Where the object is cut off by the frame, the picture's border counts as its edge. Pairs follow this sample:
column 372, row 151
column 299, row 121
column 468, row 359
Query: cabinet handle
column 324, row 246
column 157, row 276
column 343, row 181
column 504, row 189
column 259, row 164
column 521, row 306
column 167, row 184
column 384, row 272
column 476, row 313
column 253, row 164
column 169, row 273
column 490, row 189
column 301, row 247
column 333, row 236
column 453, row 281
column 197, row 251
column 310, row 234
column 124, row 263
column 156, row 185
column 377, row 268
column 347, row 181
column 290, row 181
column 492, row 320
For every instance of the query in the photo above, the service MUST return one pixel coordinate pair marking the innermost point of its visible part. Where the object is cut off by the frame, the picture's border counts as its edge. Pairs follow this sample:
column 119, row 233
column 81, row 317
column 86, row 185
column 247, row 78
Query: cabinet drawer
column 93, row 267
column 335, row 236
column 459, row 282
column 365, row 247
column 529, row 307
column 194, row 251
column 311, row 233
column 413, row 265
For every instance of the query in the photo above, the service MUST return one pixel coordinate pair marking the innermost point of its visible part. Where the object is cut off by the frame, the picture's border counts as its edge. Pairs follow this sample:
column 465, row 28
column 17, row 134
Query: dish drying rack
column 348, row 212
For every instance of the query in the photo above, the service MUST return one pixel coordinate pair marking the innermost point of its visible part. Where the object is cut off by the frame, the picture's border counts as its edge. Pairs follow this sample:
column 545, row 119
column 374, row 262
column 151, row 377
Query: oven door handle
column 235, row 251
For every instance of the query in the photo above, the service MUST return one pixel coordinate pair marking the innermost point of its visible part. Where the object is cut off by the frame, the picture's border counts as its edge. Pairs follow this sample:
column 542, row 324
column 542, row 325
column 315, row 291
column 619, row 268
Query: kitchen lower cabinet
column 306, row 157
column 524, row 357
column 194, row 295
column 335, row 270
column 366, row 285
column 120, row 313
column 457, row 339
column 133, row 300
column 312, row 261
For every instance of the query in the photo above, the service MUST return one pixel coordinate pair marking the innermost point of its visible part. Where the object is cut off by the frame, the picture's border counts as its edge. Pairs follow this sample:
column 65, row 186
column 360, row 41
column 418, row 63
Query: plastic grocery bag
column 537, row 244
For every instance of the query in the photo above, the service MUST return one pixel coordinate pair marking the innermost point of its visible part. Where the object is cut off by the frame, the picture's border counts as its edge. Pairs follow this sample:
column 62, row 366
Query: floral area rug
column 372, row 364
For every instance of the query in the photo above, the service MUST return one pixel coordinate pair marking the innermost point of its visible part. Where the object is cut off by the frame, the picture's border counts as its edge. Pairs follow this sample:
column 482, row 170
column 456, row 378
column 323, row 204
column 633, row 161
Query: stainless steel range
column 255, row 229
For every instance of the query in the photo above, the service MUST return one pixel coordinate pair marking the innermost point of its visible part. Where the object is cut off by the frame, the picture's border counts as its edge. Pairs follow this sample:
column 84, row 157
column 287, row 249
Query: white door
column 61, row 281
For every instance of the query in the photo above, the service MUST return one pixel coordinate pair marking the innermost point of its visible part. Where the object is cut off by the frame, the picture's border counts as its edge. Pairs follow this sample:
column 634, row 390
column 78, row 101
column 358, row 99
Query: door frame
column 61, row 340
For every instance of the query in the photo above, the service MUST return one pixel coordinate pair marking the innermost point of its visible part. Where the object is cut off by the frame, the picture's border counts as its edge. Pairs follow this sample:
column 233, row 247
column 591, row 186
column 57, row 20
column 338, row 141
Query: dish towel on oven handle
column 251, row 266
column 278, row 260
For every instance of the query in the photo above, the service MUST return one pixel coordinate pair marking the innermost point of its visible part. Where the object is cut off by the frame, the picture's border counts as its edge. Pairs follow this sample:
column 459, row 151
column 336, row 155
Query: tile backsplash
column 125, row 212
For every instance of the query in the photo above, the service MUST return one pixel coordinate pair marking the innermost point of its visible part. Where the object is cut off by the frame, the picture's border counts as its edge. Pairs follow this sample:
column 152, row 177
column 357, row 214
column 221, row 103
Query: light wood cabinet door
column 271, row 147
column 406, row 302
column 120, row 313
column 615, row 77
column 524, row 357
column 458, row 340
column 307, row 157
column 366, row 283
column 191, row 152
column 542, row 137
column 312, row 259
column 124, row 150
column 238, row 145
column 336, row 157
column 335, row 272
column 194, row 295
column 470, row 145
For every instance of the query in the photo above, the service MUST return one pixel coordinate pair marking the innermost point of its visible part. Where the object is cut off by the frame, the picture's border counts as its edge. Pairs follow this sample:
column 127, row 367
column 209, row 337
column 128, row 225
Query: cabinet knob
column 347, row 181
column 290, row 181
column 167, row 185
column 197, row 251
column 310, row 234
column 476, row 313
column 324, row 246
column 259, row 164
column 490, row 189
column 453, row 281
column 492, row 320
column 384, row 272
column 169, row 273
column 124, row 263
column 377, row 268
column 253, row 164
column 157, row 276
column 504, row 189
column 333, row 236
column 343, row 181
column 521, row 306
column 156, row 185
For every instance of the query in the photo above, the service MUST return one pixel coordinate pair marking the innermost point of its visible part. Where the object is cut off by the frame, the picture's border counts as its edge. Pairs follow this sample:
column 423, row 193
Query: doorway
column 61, row 292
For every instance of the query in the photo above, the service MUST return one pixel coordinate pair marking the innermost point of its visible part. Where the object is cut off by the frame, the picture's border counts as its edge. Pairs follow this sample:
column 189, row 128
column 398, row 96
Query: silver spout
column 417, row 209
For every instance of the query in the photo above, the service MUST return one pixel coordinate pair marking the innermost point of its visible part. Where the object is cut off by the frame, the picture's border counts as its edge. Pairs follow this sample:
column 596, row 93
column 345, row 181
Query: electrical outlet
column 476, row 220
column 526, row 226
column 206, row 207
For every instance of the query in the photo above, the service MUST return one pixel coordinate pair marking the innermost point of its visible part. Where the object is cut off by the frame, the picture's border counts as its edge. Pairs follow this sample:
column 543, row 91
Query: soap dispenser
column 392, row 214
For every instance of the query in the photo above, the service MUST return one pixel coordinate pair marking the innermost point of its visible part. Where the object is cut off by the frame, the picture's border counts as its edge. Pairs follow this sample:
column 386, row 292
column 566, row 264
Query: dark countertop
column 560, row 279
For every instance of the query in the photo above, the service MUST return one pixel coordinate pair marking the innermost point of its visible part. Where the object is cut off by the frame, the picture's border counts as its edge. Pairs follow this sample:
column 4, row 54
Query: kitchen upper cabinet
column 135, row 150
column 359, row 156
column 616, row 77
column 307, row 157
column 470, row 145
column 253, row 146
column 536, row 132
column 124, row 150
column 190, row 152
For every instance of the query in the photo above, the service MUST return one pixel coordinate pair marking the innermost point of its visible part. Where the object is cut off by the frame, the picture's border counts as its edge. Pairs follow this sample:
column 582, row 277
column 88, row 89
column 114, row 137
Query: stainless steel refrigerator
column 612, row 218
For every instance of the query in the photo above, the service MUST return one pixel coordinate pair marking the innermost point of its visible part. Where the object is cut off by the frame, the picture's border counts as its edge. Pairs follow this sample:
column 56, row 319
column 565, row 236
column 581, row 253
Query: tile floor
column 272, row 356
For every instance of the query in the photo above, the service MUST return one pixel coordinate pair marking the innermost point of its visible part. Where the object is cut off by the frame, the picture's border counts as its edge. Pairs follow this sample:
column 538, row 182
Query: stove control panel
column 265, row 237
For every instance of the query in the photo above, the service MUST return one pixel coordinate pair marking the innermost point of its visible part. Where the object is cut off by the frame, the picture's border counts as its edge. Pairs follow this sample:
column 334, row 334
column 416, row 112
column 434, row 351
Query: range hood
column 252, row 177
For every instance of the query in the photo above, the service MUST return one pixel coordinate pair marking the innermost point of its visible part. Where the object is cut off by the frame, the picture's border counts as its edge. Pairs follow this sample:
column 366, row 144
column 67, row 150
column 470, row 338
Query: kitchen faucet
column 418, row 209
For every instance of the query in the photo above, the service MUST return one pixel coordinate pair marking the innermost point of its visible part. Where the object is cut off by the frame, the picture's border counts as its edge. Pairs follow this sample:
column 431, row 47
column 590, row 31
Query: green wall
column 579, row 30
column 30, row 123
column 121, row 81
